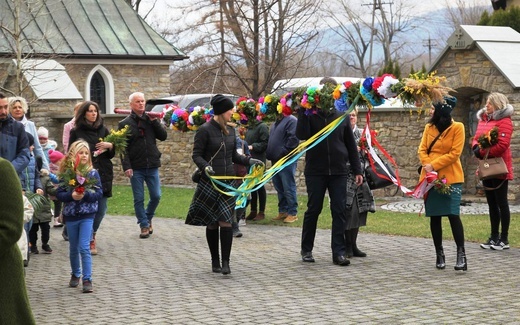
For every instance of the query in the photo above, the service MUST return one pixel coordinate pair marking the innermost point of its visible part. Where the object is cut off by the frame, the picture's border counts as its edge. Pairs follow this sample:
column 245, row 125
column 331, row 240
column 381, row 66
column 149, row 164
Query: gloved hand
column 253, row 161
column 209, row 170
column 476, row 151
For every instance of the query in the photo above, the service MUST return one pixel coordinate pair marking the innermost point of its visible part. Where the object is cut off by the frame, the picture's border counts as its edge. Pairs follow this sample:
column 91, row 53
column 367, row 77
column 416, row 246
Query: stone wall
column 471, row 73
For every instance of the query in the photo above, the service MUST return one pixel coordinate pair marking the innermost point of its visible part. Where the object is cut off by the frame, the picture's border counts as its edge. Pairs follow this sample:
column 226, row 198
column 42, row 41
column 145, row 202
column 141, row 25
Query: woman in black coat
column 90, row 127
column 214, row 153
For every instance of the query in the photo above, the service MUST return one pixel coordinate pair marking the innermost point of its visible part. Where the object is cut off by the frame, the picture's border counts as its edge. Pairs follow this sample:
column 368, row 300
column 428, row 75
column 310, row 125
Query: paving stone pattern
column 167, row 279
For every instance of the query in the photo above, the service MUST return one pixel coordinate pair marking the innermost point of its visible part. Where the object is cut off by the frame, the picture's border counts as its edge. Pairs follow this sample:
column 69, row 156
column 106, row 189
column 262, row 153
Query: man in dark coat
column 142, row 160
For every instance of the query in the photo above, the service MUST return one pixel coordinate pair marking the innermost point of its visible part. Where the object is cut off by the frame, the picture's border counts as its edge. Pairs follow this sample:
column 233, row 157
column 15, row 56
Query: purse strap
column 433, row 142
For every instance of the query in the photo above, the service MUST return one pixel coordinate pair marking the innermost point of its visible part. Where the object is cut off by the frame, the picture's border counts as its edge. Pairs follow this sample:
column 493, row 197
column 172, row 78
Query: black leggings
column 456, row 229
column 498, row 208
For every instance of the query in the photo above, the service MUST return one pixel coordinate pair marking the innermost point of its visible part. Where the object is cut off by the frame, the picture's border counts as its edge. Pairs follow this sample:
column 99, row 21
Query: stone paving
column 167, row 279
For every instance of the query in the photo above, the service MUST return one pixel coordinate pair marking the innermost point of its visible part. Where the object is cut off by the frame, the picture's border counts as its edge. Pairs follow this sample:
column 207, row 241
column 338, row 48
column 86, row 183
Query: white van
column 284, row 86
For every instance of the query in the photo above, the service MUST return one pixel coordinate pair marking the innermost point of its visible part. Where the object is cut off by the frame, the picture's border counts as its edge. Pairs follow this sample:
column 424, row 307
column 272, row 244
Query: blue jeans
column 27, row 226
column 80, row 232
column 151, row 177
column 317, row 185
column 102, row 210
column 285, row 185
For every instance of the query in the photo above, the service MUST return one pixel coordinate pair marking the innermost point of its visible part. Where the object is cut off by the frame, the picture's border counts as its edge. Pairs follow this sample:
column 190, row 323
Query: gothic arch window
column 100, row 89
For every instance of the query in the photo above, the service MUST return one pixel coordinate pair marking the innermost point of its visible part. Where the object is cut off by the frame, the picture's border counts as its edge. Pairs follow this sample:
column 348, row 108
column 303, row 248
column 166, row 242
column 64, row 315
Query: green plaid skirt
column 210, row 206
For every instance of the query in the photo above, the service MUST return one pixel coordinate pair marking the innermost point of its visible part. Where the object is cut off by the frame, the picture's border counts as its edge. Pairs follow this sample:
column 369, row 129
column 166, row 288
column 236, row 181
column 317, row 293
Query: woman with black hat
column 439, row 152
column 214, row 153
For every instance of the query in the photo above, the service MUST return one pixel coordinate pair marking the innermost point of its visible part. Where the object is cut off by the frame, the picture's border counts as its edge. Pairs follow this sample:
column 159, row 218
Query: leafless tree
column 378, row 25
column 15, row 20
column 462, row 12
column 248, row 43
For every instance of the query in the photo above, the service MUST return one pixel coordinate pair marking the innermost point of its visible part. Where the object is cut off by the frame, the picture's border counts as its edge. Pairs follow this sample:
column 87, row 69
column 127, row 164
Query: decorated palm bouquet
column 118, row 139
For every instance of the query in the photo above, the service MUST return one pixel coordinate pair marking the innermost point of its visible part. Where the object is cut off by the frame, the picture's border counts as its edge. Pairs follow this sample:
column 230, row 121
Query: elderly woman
column 18, row 108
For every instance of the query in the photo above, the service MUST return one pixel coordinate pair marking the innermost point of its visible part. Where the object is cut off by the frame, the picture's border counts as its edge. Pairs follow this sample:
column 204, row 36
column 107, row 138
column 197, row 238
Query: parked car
column 184, row 101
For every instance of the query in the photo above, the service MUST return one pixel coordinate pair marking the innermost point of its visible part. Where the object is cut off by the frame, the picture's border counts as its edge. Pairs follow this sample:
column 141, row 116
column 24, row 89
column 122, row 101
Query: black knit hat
column 221, row 104
column 445, row 107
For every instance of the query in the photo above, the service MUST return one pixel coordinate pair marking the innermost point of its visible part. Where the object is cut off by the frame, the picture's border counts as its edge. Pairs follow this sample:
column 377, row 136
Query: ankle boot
column 251, row 215
column 226, row 241
column 462, row 263
column 355, row 249
column 212, row 238
column 441, row 261
column 348, row 244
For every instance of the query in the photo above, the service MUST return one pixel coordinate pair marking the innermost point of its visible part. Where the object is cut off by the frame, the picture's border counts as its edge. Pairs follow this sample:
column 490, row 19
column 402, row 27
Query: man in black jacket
column 326, row 169
column 142, row 160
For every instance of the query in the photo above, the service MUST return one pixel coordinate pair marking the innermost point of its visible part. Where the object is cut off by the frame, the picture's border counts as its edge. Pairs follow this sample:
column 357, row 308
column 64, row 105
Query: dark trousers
column 33, row 233
column 498, row 208
column 259, row 196
column 316, row 188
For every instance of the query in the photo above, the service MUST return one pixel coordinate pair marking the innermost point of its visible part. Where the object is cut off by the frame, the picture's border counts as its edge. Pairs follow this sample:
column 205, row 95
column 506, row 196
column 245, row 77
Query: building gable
column 82, row 28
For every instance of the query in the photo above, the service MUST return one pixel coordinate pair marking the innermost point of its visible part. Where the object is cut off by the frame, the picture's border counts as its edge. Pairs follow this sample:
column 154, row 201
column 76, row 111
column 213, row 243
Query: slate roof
column 501, row 45
column 84, row 29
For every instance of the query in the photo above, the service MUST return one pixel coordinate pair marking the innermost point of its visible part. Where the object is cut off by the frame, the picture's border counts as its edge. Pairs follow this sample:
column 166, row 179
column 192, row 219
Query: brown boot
column 260, row 216
column 251, row 215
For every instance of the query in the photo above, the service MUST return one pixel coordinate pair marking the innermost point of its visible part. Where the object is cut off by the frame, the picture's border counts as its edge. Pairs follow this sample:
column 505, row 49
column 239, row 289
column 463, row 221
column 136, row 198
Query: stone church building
column 103, row 51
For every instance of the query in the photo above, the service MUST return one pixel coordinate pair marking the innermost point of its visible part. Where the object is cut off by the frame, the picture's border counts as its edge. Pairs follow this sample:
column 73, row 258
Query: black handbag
column 375, row 181
column 197, row 174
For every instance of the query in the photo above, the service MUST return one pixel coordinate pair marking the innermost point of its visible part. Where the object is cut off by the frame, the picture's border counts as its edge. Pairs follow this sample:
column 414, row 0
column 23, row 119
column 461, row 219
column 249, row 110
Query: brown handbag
column 491, row 167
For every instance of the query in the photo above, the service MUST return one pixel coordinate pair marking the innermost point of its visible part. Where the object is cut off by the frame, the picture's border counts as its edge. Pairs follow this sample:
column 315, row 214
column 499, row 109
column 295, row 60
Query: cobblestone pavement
column 167, row 279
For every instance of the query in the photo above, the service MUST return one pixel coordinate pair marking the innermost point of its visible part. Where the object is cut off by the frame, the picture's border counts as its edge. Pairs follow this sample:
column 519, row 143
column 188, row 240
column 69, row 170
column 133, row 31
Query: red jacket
column 502, row 120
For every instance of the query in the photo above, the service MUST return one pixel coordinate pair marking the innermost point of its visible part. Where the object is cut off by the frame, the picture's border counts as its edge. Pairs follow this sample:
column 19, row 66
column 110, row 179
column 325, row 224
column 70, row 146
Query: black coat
column 141, row 150
column 103, row 162
column 209, row 141
column 331, row 155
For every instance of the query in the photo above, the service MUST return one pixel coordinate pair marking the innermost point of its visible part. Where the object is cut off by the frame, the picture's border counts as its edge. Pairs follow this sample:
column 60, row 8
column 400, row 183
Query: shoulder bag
column 491, row 167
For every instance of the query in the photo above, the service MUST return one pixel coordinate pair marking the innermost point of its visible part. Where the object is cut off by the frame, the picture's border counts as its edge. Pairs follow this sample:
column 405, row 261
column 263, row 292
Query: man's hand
column 359, row 180
column 129, row 173
column 253, row 161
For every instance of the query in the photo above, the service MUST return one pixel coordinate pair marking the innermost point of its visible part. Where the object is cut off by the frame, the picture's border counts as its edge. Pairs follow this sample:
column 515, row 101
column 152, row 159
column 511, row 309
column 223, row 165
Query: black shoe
column 237, row 233
column 215, row 267
column 307, row 257
column 462, row 263
column 340, row 260
column 440, row 263
column 358, row 253
column 225, row 267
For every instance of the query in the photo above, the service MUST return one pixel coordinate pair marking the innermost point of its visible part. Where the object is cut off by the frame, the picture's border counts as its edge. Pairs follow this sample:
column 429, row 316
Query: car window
column 204, row 101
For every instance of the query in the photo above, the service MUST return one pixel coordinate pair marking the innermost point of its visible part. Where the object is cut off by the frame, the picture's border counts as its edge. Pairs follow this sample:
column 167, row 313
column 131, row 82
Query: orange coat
column 445, row 153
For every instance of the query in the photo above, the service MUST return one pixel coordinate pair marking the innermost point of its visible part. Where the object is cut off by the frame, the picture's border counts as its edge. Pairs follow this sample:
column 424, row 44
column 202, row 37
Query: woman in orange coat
column 497, row 113
column 440, row 149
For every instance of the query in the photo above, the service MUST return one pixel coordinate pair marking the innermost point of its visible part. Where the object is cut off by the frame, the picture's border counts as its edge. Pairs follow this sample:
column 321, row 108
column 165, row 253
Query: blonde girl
column 80, row 207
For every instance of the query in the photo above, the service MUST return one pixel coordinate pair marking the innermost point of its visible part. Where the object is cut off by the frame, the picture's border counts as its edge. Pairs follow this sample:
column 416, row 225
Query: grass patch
column 175, row 203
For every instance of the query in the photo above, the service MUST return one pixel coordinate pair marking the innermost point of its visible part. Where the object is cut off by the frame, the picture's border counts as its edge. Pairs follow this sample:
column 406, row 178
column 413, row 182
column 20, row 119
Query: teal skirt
column 440, row 205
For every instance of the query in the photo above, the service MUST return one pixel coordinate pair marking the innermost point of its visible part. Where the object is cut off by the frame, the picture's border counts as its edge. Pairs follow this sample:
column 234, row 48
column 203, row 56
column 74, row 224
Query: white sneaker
column 500, row 246
column 242, row 222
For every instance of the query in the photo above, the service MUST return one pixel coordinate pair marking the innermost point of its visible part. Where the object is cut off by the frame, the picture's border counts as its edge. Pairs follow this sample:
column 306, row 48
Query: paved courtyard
column 167, row 279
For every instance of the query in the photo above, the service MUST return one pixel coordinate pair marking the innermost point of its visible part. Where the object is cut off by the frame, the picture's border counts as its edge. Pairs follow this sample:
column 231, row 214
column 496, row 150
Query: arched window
column 100, row 89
